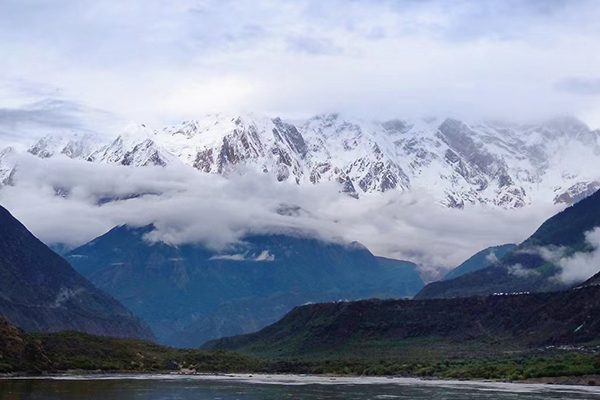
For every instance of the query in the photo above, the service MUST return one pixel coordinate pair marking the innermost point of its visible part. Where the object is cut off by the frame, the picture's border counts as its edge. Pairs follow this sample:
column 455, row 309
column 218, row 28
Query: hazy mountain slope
column 457, row 162
column 265, row 310
column 189, row 294
column 406, row 272
column 41, row 292
column 409, row 328
column 532, row 266
column 483, row 259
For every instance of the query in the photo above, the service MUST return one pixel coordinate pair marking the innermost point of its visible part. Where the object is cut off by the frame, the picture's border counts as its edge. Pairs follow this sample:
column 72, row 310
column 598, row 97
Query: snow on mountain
column 458, row 162
column 72, row 144
column 137, row 146
column 7, row 164
column 219, row 143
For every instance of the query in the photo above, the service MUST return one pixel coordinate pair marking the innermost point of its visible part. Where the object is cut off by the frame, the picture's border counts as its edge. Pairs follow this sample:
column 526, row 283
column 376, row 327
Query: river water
column 263, row 387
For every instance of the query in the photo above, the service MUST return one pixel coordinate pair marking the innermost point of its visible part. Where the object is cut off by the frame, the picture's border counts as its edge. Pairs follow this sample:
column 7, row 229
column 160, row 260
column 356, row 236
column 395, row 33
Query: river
column 275, row 387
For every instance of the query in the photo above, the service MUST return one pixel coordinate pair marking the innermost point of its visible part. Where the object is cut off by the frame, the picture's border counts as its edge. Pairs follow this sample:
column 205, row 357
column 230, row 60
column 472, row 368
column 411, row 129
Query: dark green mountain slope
column 18, row 350
column 524, row 269
column 62, row 351
column 41, row 292
column 422, row 329
column 481, row 260
column 188, row 294
column 67, row 351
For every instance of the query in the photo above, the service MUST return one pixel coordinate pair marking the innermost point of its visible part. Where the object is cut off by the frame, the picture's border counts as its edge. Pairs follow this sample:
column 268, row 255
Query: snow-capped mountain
column 220, row 143
column 71, row 144
column 460, row 163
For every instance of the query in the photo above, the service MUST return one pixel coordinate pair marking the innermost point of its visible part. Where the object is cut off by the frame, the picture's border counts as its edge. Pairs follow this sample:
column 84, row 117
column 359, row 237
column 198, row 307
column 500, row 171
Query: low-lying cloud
column 582, row 265
column 522, row 272
column 187, row 206
column 573, row 267
column 492, row 258
column 264, row 256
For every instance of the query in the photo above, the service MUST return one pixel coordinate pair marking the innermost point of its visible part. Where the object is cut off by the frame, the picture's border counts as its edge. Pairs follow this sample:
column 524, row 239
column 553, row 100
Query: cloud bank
column 581, row 266
column 71, row 202
column 574, row 267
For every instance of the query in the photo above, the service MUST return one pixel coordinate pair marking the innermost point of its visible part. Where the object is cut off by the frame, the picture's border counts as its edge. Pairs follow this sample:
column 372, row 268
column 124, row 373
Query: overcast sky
column 159, row 62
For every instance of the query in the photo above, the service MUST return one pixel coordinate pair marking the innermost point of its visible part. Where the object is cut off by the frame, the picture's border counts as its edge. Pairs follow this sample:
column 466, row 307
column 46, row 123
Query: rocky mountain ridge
column 459, row 163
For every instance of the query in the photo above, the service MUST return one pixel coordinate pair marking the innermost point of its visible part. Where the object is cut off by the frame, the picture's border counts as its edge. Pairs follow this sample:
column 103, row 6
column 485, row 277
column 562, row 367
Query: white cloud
column 264, row 256
column 188, row 206
column 574, row 267
column 229, row 257
column 582, row 265
column 492, row 258
column 522, row 272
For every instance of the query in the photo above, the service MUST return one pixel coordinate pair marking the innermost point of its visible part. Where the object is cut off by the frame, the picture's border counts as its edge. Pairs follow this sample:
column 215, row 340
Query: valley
column 258, row 200
column 291, row 303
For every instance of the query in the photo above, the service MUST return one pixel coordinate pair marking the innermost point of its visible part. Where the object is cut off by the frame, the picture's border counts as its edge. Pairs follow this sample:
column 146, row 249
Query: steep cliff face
column 458, row 162
column 189, row 294
column 41, row 292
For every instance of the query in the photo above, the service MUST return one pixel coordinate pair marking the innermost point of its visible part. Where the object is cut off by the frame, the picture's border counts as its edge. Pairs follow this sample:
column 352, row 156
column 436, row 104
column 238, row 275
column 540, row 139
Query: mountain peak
column 461, row 163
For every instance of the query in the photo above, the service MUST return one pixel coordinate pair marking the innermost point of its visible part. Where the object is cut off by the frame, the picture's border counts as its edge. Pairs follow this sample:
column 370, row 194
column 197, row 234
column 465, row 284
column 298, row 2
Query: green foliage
column 511, row 338
column 525, row 367
column 71, row 350
column 461, row 328
column 517, row 368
